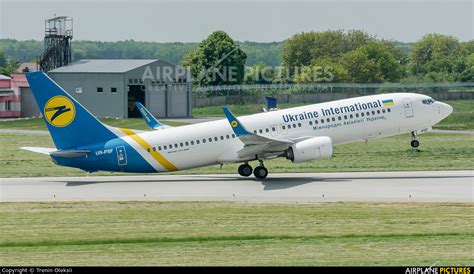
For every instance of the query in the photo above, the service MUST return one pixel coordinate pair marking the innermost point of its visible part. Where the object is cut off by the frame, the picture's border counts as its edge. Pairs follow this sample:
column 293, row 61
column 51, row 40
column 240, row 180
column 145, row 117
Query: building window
column 113, row 90
column 8, row 105
column 100, row 90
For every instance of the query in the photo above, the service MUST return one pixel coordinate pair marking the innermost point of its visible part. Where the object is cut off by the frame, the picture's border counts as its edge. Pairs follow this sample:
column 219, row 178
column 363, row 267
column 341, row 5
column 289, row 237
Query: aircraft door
column 121, row 156
column 408, row 108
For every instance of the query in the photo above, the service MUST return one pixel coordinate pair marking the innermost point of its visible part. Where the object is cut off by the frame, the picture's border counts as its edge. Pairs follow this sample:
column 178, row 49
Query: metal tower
column 57, row 43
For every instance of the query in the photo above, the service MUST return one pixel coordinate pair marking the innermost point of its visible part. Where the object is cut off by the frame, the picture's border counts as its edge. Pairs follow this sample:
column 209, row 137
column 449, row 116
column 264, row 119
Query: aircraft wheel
column 415, row 143
column 260, row 172
column 245, row 170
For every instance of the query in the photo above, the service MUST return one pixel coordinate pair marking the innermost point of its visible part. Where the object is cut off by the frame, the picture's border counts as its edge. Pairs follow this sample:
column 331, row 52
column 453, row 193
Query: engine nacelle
column 310, row 149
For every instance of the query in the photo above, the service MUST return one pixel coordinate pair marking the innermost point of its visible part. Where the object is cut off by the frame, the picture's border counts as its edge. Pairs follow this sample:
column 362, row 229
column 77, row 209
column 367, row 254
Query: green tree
column 217, row 61
column 10, row 67
column 2, row 58
column 307, row 48
column 436, row 53
column 375, row 62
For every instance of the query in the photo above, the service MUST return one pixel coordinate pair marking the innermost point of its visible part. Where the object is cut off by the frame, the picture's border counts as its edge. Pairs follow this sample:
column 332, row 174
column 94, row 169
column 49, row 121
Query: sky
column 244, row 20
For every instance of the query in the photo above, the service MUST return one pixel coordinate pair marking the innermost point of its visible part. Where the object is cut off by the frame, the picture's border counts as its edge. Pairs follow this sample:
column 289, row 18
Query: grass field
column 437, row 152
column 461, row 118
column 218, row 233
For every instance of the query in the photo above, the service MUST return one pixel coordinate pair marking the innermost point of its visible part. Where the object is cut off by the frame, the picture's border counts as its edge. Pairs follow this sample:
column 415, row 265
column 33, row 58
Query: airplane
column 298, row 134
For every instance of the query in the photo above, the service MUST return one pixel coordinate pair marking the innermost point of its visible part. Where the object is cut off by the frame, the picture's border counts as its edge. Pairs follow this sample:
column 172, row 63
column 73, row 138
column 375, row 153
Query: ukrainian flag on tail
column 387, row 103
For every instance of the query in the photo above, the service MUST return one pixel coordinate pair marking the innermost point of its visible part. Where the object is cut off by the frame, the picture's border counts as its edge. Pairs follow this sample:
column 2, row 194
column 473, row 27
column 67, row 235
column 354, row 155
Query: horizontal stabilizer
column 57, row 153
column 42, row 150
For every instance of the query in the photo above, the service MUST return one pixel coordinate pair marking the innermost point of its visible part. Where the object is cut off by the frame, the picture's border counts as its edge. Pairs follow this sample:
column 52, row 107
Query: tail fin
column 150, row 120
column 69, row 123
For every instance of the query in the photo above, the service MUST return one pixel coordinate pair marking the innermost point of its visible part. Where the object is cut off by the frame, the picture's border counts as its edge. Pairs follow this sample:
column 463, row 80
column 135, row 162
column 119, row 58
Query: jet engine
column 310, row 149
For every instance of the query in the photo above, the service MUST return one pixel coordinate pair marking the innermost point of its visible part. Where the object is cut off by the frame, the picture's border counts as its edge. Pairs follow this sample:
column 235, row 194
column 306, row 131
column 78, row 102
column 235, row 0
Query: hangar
column 110, row 87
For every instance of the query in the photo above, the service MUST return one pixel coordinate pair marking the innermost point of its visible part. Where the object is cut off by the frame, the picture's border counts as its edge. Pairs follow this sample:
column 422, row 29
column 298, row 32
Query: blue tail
column 150, row 120
column 70, row 124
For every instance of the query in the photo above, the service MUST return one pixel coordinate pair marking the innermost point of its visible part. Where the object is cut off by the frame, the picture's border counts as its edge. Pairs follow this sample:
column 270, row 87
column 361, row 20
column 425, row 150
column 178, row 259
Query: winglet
column 236, row 125
column 150, row 120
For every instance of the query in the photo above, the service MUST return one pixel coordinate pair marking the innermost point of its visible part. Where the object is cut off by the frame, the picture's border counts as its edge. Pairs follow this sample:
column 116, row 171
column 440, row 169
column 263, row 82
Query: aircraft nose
column 444, row 109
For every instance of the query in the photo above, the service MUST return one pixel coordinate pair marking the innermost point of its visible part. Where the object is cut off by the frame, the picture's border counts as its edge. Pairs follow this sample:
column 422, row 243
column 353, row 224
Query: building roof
column 104, row 65
column 3, row 77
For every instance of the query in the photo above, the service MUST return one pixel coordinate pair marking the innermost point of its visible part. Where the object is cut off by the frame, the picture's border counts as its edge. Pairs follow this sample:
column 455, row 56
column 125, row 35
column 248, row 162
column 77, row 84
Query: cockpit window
column 428, row 101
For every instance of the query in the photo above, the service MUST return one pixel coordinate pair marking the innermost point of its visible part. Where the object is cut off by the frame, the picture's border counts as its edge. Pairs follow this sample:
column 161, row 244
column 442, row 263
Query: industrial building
column 110, row 88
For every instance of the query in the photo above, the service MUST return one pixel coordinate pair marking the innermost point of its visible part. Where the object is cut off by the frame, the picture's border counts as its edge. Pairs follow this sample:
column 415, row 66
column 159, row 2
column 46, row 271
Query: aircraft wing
column 150, row 120
column 255, row 144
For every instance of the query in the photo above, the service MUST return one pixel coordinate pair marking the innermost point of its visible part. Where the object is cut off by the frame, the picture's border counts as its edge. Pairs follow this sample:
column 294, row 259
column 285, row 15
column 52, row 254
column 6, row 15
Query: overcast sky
column 260, row 20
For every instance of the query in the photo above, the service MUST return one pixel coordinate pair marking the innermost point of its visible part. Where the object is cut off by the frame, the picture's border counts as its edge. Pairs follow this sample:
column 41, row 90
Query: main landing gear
column 259, row 172
column 414, row 142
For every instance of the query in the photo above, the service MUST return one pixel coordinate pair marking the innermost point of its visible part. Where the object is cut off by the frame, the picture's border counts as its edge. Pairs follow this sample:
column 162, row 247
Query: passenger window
column 227, row 136
column 154, row 148
column 362, row 114
column 186, row 143
column 328, row 120
column 357, row 115
column 368, row 113
column 210, row 139
column 339, row 118
column 215, row 139
column 351, row 116
column 233, row 135
column 388, row 110
column 273, row 129
column 316, row 122
column 148, row 149
column 294, row 125
column 255, row 131
column 373, row 112
column 383, row 110
column 203, row 141
column 181, row 144
column 378, row 111
column 222, row 137
column 176, row 145
column 322, row 121
column 283, row 127
column 310, row 123
column 197, row 142
column 299, row 124
column 192, row 143
column 165, row 147
column 333, row 119
column 267, row 130
column 261, row 131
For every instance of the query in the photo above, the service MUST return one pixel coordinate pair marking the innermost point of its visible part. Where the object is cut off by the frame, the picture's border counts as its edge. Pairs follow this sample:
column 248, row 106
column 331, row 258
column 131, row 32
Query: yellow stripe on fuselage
column 155, row 154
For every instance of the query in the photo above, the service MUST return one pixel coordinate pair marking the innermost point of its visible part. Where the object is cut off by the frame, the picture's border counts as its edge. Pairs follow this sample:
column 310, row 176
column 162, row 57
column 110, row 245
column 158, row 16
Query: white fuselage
column 185, row 146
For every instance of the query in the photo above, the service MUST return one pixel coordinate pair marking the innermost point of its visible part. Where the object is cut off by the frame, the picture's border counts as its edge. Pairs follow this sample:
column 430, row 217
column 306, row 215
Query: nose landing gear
column 414, row 142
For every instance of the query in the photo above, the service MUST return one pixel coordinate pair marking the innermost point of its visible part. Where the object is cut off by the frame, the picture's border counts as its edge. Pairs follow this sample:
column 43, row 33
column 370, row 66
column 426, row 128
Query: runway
column 426, row 186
